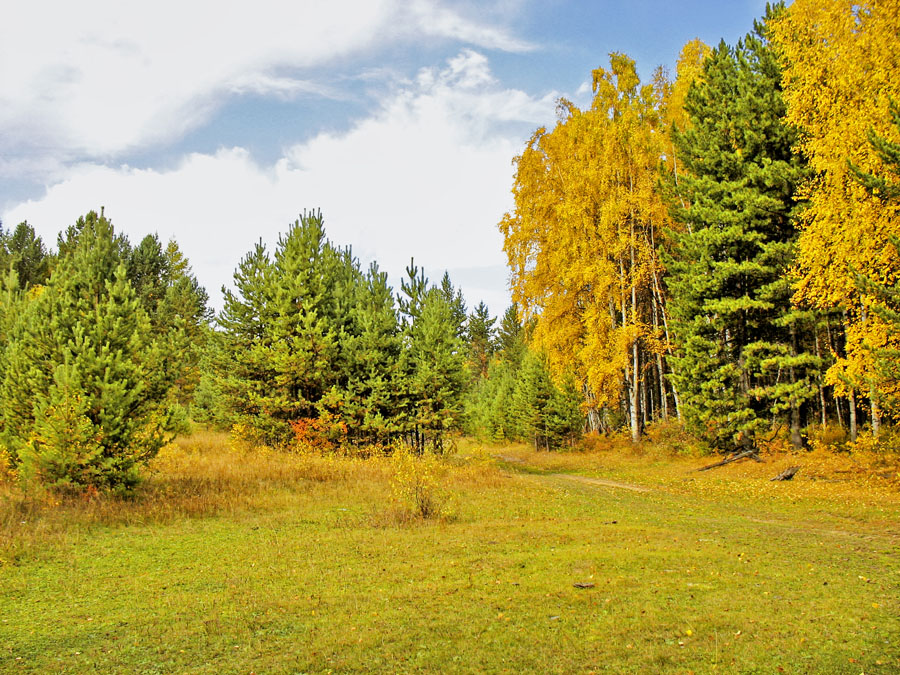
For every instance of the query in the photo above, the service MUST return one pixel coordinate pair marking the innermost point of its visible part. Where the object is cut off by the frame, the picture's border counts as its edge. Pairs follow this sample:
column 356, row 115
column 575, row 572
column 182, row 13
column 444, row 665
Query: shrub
column 416, row 484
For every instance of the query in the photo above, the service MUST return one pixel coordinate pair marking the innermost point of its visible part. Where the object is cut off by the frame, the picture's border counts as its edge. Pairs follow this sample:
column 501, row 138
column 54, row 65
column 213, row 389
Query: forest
column 716, row 250
column 676, row 451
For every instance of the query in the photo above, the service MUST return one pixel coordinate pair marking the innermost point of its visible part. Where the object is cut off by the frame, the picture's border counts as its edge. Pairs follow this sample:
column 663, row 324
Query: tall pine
column 741, row 361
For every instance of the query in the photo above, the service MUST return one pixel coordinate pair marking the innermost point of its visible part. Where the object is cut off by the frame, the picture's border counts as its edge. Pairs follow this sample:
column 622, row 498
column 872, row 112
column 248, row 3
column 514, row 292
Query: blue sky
column 218, row 123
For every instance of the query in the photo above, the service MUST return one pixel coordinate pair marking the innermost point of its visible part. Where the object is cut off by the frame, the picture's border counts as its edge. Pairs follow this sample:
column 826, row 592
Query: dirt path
column 584, row 480
column 602, row 482
column 786, row 524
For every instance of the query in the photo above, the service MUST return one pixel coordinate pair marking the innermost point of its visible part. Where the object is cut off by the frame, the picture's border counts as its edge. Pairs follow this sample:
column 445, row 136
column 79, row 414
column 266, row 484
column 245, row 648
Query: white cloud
column 439, row 21
column 96, row 78
column 428, row 175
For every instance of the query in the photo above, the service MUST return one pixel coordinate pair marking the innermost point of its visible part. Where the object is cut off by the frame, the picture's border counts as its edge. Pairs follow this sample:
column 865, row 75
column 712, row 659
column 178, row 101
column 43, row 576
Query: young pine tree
column 369, row 402
column 547, row 415
column 23, row 251
column 434, row 371
column 480, row 336
column 85, row 394
column 284, row 325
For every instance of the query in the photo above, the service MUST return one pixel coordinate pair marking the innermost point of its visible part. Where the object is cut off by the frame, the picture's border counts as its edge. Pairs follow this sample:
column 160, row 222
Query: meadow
column 608, row 559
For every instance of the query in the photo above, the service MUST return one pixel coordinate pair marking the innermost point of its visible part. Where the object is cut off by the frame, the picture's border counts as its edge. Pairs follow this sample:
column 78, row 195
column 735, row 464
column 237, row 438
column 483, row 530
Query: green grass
column 236, row 562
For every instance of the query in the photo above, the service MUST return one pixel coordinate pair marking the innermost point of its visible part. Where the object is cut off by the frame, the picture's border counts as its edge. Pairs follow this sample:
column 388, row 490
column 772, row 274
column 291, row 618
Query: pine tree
column 481, row 340
column 284, row 327
column 740, row 359
column 24, row 251
column 12, row 304
column 510, row 335
column 412, row 293
column 245, row 375
column 434, row 366
column 454, row 298
column 177, row 307
column 370, row 402
column 488, row 406
column 85, row 394
column 546, row 416
column 208, row 405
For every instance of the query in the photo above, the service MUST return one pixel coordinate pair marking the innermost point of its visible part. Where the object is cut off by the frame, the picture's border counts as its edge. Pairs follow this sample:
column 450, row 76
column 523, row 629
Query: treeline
column 109, row 350
column 717, row 248
column 314, row 350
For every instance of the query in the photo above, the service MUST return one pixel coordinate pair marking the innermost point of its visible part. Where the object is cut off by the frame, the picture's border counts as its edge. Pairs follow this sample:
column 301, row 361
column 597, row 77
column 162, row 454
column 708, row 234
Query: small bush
column 416, row 484
column 831, row 436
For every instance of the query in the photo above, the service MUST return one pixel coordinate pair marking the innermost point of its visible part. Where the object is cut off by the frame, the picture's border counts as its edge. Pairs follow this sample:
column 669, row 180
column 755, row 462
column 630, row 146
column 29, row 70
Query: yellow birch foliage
column 581, row 241
column 841, row 65
column 689, row 69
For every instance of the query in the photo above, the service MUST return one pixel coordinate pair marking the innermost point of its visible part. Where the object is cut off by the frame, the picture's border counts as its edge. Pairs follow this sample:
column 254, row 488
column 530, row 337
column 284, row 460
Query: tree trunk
column 635, row 401
column 837, row 399
column 677, row 401
column 635, row 418
column 660, row 371
column 873, row 394
column 876, row 413
column 796, row 438
column 853, row 430
column 821, row 388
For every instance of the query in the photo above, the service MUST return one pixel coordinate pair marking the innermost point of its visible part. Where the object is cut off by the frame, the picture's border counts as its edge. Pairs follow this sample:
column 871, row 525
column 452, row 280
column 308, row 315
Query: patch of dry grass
column 208, row 474
column 197, row 476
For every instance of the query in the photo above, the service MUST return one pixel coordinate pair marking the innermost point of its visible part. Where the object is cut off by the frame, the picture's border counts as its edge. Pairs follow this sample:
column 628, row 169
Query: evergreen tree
column 434, row 366
column 244, row 373
column 510, row 336
column 24, row 251
column 546, row 415
column 176, row 305
column 310, row 301
column 741, row 359
column 12, row 302
column 454, row 298
column 312, row 349
column 370, row 401
column 480, row 336
column 208, row 403
column 284, row 328
column 67, row 241
column 413, row 289
column 148, row 271
column 502, row 419
column 85, row 391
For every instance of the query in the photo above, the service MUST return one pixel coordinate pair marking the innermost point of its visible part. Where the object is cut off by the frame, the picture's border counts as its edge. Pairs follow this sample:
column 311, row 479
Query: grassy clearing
column 236, row 562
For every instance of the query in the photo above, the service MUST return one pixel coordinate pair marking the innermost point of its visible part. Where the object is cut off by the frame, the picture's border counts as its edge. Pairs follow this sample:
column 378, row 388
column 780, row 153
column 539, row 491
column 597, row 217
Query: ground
column 237, row 561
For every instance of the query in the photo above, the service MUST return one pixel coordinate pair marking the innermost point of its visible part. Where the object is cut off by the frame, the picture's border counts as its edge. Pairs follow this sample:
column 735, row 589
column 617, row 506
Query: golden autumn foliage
column 690, row 68
column 840, row 74
column 582, row 242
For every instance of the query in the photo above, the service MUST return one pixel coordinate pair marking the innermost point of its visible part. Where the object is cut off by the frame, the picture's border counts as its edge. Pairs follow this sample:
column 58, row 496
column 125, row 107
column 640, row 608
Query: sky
column 218, row 123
